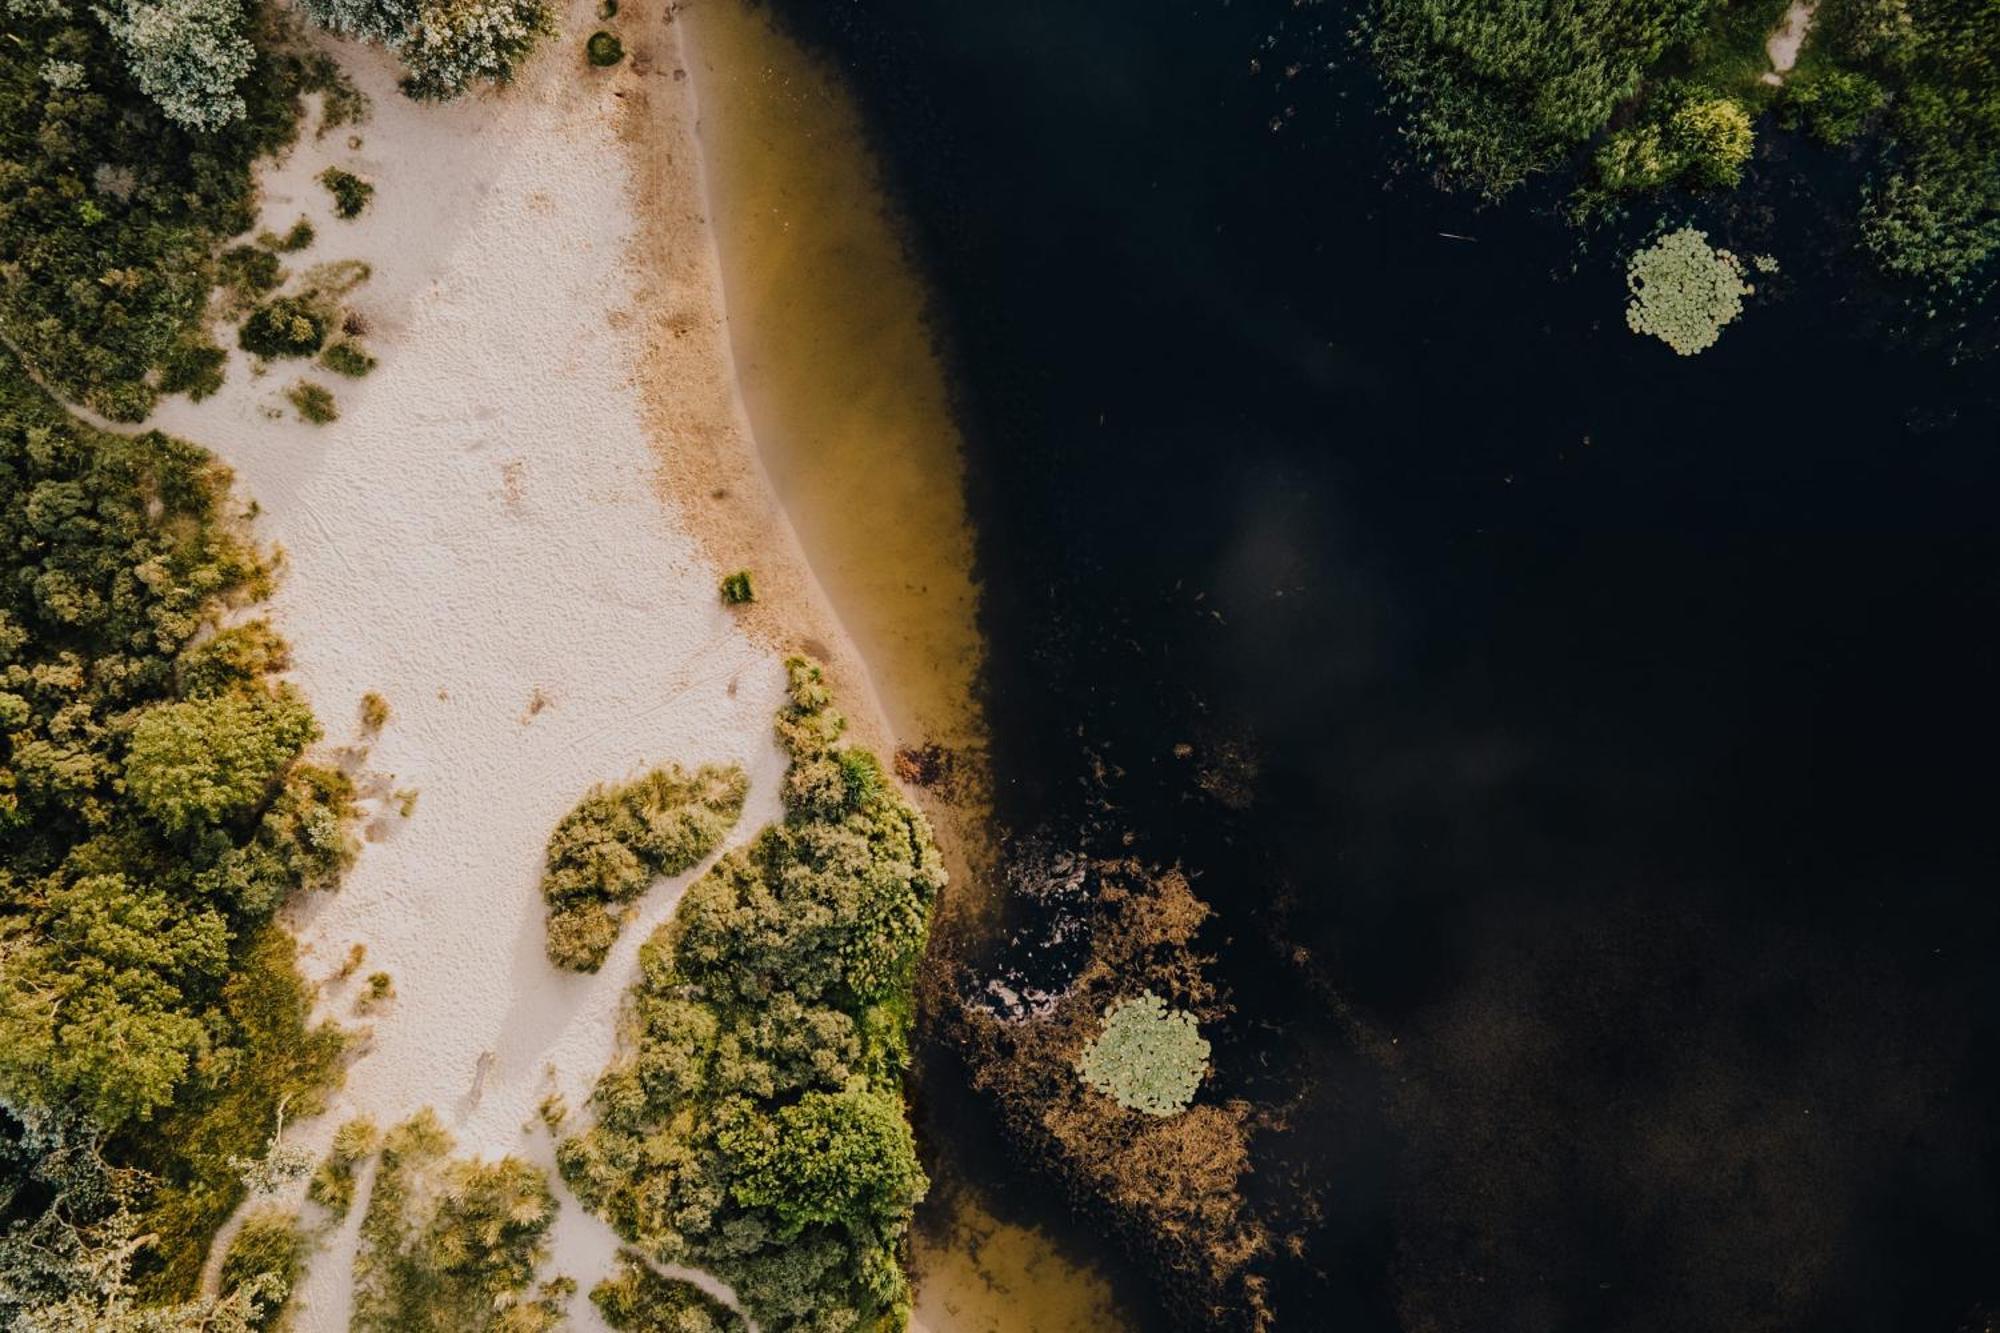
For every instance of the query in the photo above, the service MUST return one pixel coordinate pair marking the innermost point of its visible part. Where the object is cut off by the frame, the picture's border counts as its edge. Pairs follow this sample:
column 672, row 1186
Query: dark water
column 1616, row 895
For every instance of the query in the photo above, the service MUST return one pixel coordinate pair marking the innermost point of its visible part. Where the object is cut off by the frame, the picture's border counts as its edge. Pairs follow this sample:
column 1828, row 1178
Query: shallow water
column 836, row 365
column 846, row 394
column 1586, row 747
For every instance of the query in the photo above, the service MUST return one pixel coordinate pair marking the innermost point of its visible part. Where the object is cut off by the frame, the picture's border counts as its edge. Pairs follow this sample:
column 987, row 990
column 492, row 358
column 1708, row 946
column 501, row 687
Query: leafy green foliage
column 153, row 814
column 348, row 358
column 268, row 1244
column 1148, row 1057
column 189, row 56
column 332, row 1185
column 450, row 1245
column 1494, row 90
column 110, row 211
column 287, row 326
column 1831, row 104
column 752, row 1123
column 1684, row 292
column 446, row 45
column 603, row 49
column 350, row 193
column 638, row 1300
column 313, row 402
column 618, row 840
column 736, row 589
column 201, row 763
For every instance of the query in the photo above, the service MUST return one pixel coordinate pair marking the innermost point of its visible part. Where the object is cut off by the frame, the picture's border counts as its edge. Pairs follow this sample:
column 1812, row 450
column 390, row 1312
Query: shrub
column 193, row 367
column 450, row 1245
column 287, row 326
column 603, row 49
column 332, row 1185
column 314, row 402
column 296, row 238
column 1148, row 1058
column 204, row 762
column 350, row 193
column 1683, row 292
column 736, row 589
column 189, row 56
column 456, row 43
column 1713, row 138
column 348, row 358
column 618, row 840
column 251, row 272
column 374, row 712
column 1831, row 104
column 637, row 1300
column 752, row 1123
column 268, row 1243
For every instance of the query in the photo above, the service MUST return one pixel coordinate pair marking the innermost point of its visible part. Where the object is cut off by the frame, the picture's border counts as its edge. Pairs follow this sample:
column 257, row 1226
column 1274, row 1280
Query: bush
column 348, row 358
column 287, row 326
column 1833, row 105
column 638, row 1300
column 456, row 43
column 202, row 763
column 1148, row 1058
column 1683, row 292
column 350, row 193
column 450, row 1245
column 736, row 589
column 250, row 272
column 193, row 367
column 332, row 1185
column 314, row 402
column 752, row 1124
column 268, row 1243
column 618, row 840
column 603, row 49
column 189, row 56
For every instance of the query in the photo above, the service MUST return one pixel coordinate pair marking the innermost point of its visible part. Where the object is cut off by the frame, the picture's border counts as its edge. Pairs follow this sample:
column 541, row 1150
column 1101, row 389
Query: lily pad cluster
column 1148, row 1058
column 1683, row 291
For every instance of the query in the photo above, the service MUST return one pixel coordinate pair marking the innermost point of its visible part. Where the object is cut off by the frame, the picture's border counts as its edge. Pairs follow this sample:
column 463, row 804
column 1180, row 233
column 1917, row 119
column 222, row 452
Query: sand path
column 1786, row 39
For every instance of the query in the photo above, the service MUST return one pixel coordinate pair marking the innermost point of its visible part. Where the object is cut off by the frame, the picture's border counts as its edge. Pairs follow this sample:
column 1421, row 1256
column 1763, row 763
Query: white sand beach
column 481, row 538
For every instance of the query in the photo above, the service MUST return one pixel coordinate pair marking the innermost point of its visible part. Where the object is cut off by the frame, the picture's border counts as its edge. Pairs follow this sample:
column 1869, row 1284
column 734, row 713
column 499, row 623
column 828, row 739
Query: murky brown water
column 838, row 373
column 846, row 395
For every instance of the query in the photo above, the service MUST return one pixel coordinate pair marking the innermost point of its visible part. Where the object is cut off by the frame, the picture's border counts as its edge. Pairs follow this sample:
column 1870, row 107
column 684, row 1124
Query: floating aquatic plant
column 1148, row 1058
column 1683, row 292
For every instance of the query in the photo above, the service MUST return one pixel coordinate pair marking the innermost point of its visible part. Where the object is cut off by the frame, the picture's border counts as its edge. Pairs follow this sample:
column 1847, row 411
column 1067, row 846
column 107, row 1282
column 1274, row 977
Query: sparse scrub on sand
column 451, row 1244
column 350, row 192
column 736, row 589
column 374, row 712
column 618, row 840
column 286, row 326
column 348, row 358
column 332, row 1185
column 752, row 1123
column 313, row 402
column 378, row 990
column 296, row 238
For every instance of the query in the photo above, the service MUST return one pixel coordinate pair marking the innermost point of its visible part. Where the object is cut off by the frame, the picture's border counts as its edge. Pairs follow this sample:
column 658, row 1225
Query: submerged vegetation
column 450, row 1244
column 1112, row 1107
column 752, row 1124
column 618, row 840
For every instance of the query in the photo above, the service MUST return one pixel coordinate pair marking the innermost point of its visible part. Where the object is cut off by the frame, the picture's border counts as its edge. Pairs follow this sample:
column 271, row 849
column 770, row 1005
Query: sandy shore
column 480, row 538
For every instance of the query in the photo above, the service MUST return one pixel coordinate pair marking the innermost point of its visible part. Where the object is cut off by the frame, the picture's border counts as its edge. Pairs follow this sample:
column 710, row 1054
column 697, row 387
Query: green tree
column 826, row 1158
column 203, row 762
column 189, row 56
